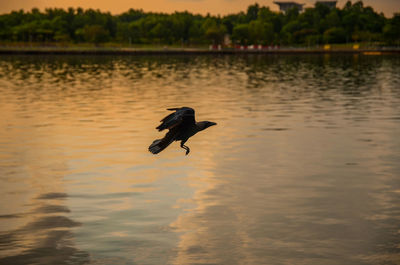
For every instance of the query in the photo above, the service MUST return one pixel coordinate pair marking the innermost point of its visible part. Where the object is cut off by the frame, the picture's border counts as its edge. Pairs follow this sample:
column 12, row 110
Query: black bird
column 181, row 125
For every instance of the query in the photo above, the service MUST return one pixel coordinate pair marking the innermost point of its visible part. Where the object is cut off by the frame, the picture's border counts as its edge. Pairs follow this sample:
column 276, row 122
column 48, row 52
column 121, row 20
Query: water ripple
column 303, row 162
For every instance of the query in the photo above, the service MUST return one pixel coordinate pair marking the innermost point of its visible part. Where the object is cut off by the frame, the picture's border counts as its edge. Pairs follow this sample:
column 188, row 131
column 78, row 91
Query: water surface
column 303, row 167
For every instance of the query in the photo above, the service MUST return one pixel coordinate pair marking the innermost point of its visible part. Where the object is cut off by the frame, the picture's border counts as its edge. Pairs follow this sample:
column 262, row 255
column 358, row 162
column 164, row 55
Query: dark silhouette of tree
column 355, row 22
column 391, row 31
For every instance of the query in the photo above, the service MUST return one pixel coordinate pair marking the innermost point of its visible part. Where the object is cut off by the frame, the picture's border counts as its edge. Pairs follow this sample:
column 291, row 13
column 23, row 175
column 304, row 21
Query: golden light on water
column 304, row 154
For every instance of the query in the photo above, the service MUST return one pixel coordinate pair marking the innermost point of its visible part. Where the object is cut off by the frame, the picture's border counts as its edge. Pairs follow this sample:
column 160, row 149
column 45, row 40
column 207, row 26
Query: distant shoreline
column 186, row 51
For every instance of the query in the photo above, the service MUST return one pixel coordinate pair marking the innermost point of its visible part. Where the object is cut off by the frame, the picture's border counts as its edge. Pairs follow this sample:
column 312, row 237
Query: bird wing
column 181, row 116
column 160, row 144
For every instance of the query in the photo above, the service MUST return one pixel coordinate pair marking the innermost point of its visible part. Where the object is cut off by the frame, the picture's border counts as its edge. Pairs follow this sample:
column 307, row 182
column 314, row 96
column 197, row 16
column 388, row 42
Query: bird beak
column 212, row 123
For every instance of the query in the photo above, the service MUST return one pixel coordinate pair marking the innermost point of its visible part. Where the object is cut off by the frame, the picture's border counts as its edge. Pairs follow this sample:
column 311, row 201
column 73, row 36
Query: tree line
column 258, row 25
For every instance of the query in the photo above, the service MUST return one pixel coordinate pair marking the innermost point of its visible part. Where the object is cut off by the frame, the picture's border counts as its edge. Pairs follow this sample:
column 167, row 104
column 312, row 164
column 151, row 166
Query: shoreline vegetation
column 155, row 50
column 353, row 27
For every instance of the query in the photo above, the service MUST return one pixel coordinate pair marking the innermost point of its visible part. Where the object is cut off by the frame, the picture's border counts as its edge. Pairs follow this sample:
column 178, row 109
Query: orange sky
column 194, row 6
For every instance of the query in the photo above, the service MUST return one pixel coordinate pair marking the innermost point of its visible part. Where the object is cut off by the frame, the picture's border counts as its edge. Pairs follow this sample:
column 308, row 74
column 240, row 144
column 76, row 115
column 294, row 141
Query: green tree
column 252, row 12
column 260, row 32
column 391, row 31
column 287, row 33
column 135, row 32
column 257, row 24
column 241, row 33
column 213, row 31
column 335, row 35
column 95, row 34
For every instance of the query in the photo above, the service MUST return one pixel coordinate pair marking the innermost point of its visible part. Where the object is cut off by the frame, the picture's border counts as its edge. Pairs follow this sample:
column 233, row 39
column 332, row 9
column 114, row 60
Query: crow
column 181, row 125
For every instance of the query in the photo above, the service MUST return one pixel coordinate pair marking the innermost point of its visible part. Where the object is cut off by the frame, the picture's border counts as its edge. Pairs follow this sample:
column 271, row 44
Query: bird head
column 205, row 124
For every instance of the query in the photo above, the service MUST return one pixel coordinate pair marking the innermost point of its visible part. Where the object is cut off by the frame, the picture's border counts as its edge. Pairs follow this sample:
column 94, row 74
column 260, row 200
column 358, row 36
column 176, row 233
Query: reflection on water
column 301, row 169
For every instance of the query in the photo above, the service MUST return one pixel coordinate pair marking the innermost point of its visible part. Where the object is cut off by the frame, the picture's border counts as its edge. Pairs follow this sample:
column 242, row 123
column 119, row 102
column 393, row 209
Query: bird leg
column 185, row 147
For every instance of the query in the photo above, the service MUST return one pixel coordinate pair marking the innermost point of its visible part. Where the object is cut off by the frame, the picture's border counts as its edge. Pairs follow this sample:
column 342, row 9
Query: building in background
column 285, row 6
column 330, row 4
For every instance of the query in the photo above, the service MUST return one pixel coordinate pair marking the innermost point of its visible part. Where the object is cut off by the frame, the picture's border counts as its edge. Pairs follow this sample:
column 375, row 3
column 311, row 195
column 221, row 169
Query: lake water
column 302, row 168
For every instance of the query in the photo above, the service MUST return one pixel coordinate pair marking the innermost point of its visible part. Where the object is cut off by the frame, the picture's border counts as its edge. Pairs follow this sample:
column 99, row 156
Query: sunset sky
column 213, row 7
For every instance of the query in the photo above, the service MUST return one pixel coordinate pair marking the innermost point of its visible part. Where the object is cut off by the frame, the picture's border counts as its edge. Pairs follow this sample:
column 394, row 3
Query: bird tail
column 160, row 144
